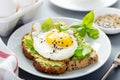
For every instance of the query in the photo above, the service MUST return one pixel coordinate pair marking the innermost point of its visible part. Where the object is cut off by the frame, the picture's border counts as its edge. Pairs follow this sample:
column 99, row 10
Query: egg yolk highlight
column 61, row 39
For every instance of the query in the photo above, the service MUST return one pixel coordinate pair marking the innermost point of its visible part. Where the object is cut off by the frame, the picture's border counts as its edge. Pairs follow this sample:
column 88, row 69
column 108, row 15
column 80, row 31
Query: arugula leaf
column 47, row 25
column 88, row 20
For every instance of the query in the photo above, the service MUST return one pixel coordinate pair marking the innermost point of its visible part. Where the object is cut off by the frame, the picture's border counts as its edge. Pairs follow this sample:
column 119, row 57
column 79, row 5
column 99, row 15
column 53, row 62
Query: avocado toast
column 55, row 67
column 55, row 48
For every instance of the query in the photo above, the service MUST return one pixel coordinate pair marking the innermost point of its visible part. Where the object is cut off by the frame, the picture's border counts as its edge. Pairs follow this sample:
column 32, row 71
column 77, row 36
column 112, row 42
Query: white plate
column 83, row 5
column 103, row 49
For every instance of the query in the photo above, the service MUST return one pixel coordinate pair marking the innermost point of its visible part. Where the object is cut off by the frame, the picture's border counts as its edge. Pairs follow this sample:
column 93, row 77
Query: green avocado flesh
column 29, row 43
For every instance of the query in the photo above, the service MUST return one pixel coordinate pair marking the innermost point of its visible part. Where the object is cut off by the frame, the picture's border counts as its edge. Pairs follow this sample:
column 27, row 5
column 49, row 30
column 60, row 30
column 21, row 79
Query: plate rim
column 51, row 77
column 82, row 10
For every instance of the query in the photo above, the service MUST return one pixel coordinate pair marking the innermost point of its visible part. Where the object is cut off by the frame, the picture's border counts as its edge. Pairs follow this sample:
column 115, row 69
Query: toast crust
column 25, row 47
column 49, row 69
column 72, row 65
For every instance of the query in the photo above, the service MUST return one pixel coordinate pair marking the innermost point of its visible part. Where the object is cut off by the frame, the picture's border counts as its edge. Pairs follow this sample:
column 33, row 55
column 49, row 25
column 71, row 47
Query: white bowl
column 104, row 11
column 25, row 14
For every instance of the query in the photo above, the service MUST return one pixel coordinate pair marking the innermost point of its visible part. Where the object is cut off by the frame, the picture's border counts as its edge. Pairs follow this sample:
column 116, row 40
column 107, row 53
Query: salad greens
column 80, row 31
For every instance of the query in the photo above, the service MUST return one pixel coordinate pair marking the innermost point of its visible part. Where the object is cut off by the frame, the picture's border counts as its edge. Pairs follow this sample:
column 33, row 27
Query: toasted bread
column 25, row 48
column 72, row 65
column 56, row 67
column 48, row 66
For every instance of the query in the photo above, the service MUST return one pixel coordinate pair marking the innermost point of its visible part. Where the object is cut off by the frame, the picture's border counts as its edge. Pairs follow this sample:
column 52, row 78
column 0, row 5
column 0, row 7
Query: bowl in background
column 7, row 24
column 106, row 11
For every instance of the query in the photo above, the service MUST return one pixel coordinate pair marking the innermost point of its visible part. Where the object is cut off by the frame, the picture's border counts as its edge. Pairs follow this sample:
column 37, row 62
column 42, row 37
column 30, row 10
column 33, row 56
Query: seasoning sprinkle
column 108, row 21
column 66, row 45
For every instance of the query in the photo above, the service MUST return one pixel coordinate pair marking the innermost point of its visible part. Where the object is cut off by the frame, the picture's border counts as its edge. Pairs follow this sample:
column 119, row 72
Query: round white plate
column 83, row 5
column 103, row 49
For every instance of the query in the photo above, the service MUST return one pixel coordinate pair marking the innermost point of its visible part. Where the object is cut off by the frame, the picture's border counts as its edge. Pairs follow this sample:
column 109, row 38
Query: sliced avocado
column 47, row 62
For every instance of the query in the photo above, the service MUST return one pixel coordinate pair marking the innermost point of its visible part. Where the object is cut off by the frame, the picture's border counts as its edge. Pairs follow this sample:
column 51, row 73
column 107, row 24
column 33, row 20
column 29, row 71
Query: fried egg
column 53, row 44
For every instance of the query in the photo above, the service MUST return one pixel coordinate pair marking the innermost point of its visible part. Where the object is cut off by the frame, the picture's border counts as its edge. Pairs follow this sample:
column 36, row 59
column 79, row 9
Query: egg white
column 45, row 50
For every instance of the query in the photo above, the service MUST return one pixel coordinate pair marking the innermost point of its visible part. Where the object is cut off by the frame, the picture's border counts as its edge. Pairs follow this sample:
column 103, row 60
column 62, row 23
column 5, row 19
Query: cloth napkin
column 8, row 63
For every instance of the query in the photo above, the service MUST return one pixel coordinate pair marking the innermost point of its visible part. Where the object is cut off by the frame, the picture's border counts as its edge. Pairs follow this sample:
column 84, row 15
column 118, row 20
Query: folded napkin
column 8, row 63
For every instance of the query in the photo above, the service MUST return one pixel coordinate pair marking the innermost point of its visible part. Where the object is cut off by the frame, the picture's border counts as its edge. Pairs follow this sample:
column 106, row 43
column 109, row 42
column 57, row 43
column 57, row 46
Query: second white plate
column 83, row 5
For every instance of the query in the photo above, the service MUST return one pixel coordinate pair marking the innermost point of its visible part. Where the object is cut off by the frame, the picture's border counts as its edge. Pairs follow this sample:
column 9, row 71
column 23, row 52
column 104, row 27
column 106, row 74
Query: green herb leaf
column 29, row 42
column 93, row 33
column 47, row 25
column 58, row 27
column 75, row 26
column 87, row 49
column 61, row 28
column 82, row 52
column 77, row 54
column 88, row 20
column 81, row 31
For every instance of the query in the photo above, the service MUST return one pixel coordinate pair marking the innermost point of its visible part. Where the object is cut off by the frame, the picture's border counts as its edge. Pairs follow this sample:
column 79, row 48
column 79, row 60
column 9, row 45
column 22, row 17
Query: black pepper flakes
column 53, row 50
column 72, row 42
column 58, row 41
column 66, row 45
column 60, row 37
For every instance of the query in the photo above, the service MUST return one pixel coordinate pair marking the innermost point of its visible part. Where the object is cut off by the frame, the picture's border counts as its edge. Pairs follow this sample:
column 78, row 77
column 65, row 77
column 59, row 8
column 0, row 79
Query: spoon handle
column 108, row 72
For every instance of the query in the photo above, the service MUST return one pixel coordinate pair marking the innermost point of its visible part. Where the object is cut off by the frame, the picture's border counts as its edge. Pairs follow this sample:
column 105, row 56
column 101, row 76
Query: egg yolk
column 61, row 39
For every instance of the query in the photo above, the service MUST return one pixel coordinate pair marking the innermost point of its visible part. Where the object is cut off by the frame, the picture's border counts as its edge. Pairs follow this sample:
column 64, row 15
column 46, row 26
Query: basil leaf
column 87, row 49
column 93, row 33
column 77, row 54
column 88, row 20
column 82, row 51
column 58, row 27
column 81, row 31
column 75, row 26
column 64, row 28
column 47, row 25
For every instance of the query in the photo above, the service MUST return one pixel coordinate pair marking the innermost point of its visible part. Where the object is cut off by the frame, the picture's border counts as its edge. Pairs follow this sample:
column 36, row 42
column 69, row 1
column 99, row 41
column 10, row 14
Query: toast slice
column 72, row 65
column 55, row 67
column 40, row 63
